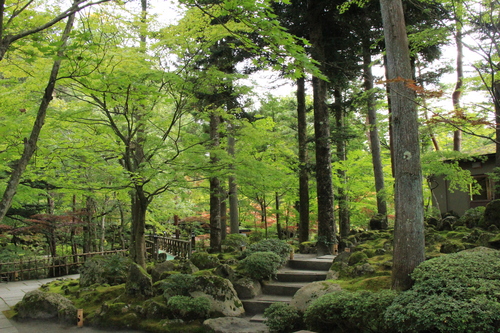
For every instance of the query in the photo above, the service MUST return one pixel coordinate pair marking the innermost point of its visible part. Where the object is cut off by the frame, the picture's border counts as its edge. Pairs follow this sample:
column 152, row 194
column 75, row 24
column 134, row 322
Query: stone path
column 13, row 292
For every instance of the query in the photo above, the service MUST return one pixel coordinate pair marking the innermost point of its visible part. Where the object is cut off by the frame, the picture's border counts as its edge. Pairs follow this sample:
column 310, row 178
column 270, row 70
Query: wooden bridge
column 38, row 267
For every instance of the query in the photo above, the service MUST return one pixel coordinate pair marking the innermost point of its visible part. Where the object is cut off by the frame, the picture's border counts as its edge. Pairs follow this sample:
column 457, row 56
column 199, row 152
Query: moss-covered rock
column 158, row 271
column 139, row 283
column 307, row 294
column 37, row 304
column 155, row 309
column 221, row 294
column 225, row 271
column 357, row 257
column 452, row 247
column 247, row 288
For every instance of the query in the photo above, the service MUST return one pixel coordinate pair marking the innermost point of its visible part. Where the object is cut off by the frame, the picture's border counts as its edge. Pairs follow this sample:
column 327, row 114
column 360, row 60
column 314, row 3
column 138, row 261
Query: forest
column 121, row 119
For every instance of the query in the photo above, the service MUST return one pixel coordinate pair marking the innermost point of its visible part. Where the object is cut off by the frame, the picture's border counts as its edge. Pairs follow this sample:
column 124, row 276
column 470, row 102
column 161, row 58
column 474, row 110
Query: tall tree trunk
column 303, row 162
column 326, row 217
column 223, row 213
column 139, row 205
column 122, row 228
column 409, row 225
column 278, row 226
column 378, row 171
column 457, row 93
column 343, row 198
column 88, row 228
column 31, row 142
column 233, row 191
column 215, row 195
column 495, row 87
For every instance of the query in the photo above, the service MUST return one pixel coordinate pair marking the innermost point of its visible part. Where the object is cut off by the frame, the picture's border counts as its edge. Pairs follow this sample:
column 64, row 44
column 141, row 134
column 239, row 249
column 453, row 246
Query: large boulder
column 225, row 271
column 379, row 222
column 37, row 304
column 224, row 300
column 305, row 295
column 234, row 325
column 139, row 282
column 160, row 271
column 247, row 288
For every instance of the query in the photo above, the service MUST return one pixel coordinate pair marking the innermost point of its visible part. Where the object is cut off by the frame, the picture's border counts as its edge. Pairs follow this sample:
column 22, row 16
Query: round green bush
column 235, row 240
column 282, row 318
column 204, row 260
column 188, row 308
column 346, row 311
column 472, row 217
column 260, row 265
column 112, row 270
column 277, row 246
column 175, row 285
column 457, row 292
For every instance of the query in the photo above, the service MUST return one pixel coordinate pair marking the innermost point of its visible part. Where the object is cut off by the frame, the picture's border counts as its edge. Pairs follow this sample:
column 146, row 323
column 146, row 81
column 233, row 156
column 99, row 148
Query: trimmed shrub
column 282, row 318
column 260, row 265
column 235, row 240
column 345, row 311
column 472, row 217
column 188, row 308
column 279, row 247
column 175, row 285
column 204, row 260
column 112, row 270
column 453, row 293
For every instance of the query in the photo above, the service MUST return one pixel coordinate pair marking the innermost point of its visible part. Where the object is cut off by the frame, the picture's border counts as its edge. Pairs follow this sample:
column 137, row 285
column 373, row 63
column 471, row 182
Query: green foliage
column 277, row 246
column 176, row 285
column 188, row 308
column 346, row 311
column 204, row 260
column 282, row 318
column 260, row 265
column 472, row 217
column 235, row 240
column 452, row 293
column 112, row 270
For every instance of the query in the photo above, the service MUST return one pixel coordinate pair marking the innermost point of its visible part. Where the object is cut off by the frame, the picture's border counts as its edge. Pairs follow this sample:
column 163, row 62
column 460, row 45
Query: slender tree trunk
column 223, row 214
column 303, row 162
column 233, row 191
column 373, row 131
column 122, row 228
column 215, row 195
column 409, row 226
column 326, row 217
column 343, row 197
column 457, row 93
column 31, row 143
column 496, row 100
column 278, row 226
column 139, row 205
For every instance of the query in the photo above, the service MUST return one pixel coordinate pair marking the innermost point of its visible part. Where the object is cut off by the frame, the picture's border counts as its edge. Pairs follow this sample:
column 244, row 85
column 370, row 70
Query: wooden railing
column 175, row 247
column 43, row 266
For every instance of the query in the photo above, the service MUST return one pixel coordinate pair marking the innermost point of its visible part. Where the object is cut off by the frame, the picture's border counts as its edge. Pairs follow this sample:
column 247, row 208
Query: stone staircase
column 303, row 269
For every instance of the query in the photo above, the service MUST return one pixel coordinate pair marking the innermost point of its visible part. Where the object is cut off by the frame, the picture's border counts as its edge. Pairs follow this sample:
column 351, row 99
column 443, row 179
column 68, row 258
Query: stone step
column 282, row 288
column 315, row 264
column 258, row 304
column 292, row 275
column 258, row 318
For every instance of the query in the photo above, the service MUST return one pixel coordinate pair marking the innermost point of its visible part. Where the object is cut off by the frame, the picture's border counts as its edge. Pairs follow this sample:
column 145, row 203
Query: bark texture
column 409, row 226
column 303, row 163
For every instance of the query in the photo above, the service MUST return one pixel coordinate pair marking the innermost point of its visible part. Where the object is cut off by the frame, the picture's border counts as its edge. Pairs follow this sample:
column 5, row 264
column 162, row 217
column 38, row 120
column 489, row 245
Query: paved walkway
column 13, row 292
